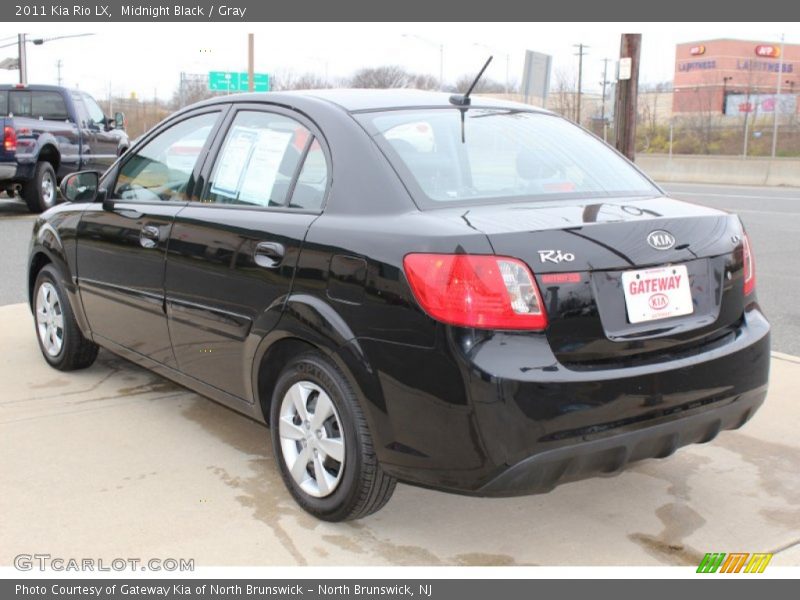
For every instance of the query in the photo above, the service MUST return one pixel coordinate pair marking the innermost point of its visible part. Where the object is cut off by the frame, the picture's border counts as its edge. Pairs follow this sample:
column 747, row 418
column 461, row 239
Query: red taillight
column 485, row 292
column 749, row 267
column 9, row 139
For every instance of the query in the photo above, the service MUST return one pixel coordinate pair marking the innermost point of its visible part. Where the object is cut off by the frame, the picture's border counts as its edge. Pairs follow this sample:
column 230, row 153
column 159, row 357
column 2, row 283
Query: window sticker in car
column 264, row 165
column 235, row 156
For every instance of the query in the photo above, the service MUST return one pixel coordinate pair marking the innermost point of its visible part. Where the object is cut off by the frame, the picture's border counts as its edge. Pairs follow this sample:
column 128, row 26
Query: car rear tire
column 60, row 339
column 41, row 192
column 322, row 444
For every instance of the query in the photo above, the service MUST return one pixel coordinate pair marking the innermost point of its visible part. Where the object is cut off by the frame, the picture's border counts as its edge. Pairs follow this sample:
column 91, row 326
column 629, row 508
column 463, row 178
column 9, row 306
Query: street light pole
column 441, row 67
column 22, row 42
column 776, row 104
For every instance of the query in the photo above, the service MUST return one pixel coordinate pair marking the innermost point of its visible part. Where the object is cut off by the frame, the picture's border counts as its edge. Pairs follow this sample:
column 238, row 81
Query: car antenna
column 463, row 101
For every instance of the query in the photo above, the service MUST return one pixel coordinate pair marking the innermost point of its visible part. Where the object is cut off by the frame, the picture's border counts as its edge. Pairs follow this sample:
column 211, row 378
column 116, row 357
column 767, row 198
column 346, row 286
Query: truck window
column 48, row 105
column 95, row 112
column 19, row 104
column 3, row 103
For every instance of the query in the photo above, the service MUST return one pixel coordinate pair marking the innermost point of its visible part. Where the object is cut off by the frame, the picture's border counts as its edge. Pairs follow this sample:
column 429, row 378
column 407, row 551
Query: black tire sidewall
column 315, row 368
column 50, row 275
column 33, row 189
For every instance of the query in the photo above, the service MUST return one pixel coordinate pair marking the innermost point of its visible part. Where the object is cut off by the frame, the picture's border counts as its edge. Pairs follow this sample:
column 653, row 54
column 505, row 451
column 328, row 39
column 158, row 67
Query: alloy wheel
column 49, row 319
column 312, row 439
column 48, row 189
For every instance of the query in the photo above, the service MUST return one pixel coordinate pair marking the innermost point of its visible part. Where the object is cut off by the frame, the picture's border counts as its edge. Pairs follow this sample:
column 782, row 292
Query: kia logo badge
column 661, row 240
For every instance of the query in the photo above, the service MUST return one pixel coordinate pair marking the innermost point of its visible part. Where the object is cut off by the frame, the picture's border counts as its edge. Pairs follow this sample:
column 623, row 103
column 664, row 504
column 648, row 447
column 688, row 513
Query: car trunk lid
column 579, row 252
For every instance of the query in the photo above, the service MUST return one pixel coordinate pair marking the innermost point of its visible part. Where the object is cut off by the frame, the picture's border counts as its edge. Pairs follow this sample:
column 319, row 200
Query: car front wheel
column 60, row 339
column 322, row 444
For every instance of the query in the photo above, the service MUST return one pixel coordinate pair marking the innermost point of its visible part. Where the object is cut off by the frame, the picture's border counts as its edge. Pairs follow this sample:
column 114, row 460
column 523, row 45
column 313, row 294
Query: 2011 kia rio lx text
column 466, row 294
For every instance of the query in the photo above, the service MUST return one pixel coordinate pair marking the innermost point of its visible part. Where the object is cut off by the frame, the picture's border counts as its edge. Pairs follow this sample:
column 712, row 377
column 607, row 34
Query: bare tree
column 190, row 91
column 484, row 85
column 387, row 76
column 563, row 95
column 288, row 80
column 423, row 81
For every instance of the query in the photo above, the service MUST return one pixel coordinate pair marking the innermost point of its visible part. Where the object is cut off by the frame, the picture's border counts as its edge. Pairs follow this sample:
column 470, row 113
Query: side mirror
column 119, row 120
column 80, row 186
column 109, row 123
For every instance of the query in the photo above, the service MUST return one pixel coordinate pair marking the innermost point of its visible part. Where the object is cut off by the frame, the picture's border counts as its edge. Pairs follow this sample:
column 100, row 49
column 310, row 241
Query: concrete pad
column 114, row 461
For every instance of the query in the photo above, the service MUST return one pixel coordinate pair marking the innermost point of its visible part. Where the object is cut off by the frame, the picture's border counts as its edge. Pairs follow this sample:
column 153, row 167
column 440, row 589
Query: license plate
column 660, row 293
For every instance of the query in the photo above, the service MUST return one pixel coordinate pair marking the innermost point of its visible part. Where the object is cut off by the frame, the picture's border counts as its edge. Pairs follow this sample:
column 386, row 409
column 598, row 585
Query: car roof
column 363, row 100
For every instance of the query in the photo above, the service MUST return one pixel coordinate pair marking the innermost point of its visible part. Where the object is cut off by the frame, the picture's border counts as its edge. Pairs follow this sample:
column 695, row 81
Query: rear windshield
column 505, row 156
column 37, row 105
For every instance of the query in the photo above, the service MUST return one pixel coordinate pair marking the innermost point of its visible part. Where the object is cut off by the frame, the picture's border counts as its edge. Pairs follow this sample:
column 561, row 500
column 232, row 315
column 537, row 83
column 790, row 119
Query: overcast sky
column 147, row 58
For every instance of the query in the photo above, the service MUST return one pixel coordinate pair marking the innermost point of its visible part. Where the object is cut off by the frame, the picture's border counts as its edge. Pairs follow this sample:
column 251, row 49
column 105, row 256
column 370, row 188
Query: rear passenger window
column 310, row 189
column 258, row 160
column 48, row 105
column 3, row 103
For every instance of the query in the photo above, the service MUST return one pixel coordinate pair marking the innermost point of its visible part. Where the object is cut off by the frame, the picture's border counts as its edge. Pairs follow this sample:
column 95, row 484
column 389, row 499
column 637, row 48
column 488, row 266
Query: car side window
column 96, row 115
column 162, row 169
column 309, row 192
column 258, row 160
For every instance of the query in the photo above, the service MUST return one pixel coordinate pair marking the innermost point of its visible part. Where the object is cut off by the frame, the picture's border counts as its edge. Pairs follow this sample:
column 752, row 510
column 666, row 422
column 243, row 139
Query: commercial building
column 735, row 77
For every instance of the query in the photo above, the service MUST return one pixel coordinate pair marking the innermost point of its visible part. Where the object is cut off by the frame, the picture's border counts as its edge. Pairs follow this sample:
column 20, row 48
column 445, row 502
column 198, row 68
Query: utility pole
column 603, row 106
column 22, row 42
column 250, row 68
column 776, row 104
column 581, row 51
column 58, row 69
column 627, row 92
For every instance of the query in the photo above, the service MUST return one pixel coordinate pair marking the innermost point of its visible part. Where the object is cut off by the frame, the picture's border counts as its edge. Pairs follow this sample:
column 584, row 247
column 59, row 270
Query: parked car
column 493, row 302
column 50, row 132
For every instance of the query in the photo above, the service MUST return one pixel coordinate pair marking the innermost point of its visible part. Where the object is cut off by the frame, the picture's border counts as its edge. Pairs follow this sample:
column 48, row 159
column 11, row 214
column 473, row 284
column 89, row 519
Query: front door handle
column 269, row 254
column 148, row 236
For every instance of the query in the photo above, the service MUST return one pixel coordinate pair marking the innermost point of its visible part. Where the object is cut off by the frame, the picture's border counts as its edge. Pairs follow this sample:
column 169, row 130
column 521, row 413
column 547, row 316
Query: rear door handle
column 149, row 236
column 269, row 254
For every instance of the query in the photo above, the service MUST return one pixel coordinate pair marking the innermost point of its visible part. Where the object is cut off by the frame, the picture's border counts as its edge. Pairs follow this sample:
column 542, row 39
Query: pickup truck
column 49, row 132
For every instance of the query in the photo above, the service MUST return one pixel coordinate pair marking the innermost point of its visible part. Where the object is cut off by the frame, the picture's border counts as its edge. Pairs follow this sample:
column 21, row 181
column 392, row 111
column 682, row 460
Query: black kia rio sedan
column 475, row 297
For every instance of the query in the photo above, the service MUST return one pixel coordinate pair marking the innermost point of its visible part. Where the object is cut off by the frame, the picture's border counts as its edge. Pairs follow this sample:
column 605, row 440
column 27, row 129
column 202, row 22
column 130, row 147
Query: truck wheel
column 322, row 444
column 60, row 339
column 41, row 192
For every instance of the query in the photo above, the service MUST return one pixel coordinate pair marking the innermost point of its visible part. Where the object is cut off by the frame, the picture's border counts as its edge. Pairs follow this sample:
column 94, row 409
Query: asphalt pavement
column 771, row 216
column 16, row 224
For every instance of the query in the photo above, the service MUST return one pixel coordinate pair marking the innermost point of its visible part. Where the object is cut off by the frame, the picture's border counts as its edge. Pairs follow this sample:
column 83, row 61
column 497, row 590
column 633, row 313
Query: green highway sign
column 229, row 81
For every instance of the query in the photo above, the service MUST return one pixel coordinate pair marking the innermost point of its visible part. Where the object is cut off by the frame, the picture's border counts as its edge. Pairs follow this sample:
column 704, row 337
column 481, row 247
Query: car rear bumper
column 500, row 416
column 608, row 456
column 8, row 171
